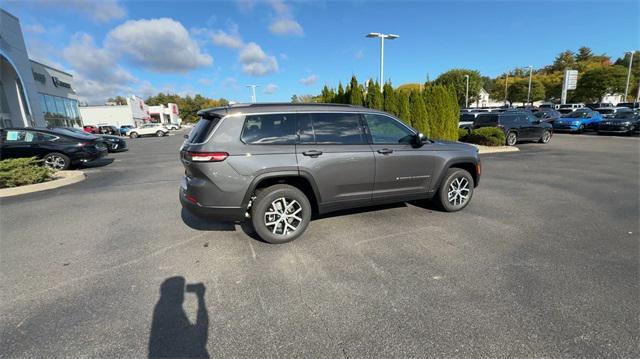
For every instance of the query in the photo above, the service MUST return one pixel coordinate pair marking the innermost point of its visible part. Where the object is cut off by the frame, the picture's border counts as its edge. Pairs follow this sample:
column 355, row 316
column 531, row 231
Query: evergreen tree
column 418, row 113
column 374, row 98
column 356, row 94
column 390, row 100
column 584, row 54
column 404, row 110
column 340, row 97
column 325, row 95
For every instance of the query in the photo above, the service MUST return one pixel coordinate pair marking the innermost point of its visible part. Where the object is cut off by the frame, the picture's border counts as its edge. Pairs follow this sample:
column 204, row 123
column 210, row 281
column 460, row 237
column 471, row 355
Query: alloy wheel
column 283, row 216
column 55, row 162
column 546, row 136
column 511, row 139
column 458, row 191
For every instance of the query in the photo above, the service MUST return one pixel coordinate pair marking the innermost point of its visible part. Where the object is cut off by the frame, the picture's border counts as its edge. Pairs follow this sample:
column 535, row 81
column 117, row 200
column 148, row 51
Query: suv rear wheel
column 456, row 190
column 280, row 213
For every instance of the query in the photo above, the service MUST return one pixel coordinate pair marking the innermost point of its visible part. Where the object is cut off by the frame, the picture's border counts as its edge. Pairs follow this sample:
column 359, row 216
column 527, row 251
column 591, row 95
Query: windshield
column 73, row 133
column 577, row 114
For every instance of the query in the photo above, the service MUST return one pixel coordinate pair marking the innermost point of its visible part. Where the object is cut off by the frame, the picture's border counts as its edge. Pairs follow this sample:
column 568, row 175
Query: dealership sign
column 571, row 77
column 39, row 77
column 58, row 83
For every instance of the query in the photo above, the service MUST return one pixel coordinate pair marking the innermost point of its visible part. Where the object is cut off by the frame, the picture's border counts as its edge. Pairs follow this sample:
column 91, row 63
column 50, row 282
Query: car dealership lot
column 543, row 262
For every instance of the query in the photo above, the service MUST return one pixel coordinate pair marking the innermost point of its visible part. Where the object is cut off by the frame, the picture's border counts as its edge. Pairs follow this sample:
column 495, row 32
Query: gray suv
column 278, row 164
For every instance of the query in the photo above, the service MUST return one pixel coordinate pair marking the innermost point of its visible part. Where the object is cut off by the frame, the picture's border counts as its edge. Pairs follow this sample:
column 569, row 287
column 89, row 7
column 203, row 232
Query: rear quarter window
column 203, row 129
column 486, row 119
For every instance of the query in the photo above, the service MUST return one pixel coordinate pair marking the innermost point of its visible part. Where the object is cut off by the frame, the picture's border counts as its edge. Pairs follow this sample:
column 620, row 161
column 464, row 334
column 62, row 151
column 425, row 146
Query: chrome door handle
column 385, row 151
column 312, row 153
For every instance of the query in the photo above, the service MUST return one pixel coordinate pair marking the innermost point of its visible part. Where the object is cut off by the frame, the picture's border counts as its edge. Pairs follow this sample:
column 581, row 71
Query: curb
column 494, row 149
column 62, row 178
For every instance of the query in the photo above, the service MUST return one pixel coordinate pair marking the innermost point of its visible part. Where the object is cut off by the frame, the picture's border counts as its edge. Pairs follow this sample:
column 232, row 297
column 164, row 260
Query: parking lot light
column 529, row 91
column 466, row 96
column 382, row 37
column 626, row 88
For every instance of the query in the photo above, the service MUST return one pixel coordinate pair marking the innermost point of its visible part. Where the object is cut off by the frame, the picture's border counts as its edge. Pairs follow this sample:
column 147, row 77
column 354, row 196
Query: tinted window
column 386, row 130
column 19, row 136
column 337, row 128
column 203, row 128
column 467, row 117
column 605, row 111
column 486, row 119
column 270, row 129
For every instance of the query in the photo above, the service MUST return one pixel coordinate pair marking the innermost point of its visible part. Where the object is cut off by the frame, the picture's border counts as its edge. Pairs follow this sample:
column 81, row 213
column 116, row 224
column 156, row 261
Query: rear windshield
column 486, row 119
column 605, row 111
column 203, row 129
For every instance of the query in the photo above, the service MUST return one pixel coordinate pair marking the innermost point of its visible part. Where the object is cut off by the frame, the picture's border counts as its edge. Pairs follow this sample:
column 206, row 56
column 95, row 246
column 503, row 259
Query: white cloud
column 255, row 62
column 232, row 41
column 205, row 81
column 96, row 73
column 98, row 10
column 230, row 83
column 279, row 6
column 162, row 45
column 359, row 54
column 309, row 80
column 35, row 29
column 286, row 27
column 270, row 88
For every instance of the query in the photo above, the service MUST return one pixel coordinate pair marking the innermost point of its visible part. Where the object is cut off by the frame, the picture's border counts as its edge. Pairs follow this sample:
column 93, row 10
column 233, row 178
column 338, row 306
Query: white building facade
column 134, row 113
column 165, row 114
column 32, row 94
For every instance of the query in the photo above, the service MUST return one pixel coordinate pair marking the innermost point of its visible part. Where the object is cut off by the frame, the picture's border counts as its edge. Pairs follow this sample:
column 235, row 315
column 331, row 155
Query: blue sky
column 215, row 48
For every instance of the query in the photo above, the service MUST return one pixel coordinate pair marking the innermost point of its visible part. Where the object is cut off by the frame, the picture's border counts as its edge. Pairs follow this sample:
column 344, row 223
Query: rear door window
column 203, row 129
column 277, row 129
column 337, row 128
column 486, row 119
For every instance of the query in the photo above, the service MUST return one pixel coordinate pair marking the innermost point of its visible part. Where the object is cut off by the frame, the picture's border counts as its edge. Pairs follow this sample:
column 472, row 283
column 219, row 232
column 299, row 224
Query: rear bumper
column 615, row 129
column 231, row 214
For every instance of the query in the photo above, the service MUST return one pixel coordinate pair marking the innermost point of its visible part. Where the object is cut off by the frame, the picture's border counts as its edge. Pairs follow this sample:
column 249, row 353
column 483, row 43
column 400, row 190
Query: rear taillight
column 206, row 156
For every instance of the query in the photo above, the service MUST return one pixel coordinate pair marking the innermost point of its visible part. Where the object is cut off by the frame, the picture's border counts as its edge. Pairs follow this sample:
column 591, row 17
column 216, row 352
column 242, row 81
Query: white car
column 172, row 126
column 150, row 129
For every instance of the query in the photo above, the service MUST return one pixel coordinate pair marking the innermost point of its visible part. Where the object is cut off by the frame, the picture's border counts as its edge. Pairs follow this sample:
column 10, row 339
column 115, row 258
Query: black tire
column 511, row 138
column 264, row 201
column 133, row 134
column 546, row 136
column 452, row 175
column 58, row 161
column 159, row 133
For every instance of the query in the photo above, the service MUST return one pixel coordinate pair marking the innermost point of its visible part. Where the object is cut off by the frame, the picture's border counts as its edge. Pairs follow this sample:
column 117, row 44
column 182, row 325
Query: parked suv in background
column 578, row 121
column 149, row 129
column 517, row 125
column 624, row 120
column 279, row 163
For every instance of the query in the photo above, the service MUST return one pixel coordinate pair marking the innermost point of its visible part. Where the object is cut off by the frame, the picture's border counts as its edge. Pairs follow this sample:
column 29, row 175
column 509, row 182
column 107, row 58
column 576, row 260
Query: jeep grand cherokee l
column 277, row 164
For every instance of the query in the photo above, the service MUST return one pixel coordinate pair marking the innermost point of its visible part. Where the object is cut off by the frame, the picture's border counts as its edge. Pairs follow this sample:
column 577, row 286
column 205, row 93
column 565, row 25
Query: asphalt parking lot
column 542, row 263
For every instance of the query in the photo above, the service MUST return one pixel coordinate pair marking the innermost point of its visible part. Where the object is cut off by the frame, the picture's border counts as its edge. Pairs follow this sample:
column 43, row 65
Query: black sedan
column 624, row 121
column 548, row 115
column 114, row 143
column 60, row 149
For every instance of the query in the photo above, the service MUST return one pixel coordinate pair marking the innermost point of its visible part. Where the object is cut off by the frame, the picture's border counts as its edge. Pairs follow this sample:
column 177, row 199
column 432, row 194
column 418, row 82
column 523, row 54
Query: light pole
column 253, row 92
column 506, row 87
column 626, row 88
column 466, row 96
column 529, row 91
column 382, row 37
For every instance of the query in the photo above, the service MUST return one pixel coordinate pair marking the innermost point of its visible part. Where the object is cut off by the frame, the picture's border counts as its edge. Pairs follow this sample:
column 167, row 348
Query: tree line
column 188, row 105
column 431, row 108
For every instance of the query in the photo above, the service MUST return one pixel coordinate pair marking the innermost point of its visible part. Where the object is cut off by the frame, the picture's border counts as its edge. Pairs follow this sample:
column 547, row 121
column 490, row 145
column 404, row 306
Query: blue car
column 124, row 129
column 578, row 120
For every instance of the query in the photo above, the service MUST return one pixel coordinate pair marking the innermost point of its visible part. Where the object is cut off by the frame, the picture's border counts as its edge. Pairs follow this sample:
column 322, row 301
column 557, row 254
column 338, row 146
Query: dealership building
column 32, row 94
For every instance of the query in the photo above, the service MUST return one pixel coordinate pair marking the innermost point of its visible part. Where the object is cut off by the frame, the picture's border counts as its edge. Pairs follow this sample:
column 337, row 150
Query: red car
column 91, row 129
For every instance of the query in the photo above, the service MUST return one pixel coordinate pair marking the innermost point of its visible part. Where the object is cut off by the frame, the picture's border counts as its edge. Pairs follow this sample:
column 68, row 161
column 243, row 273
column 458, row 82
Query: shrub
column 462, row 133
column 23, row 171
column 486, row 136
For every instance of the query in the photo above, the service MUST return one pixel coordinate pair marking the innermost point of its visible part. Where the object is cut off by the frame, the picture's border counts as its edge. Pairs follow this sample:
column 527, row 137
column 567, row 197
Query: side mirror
column 185, row 136
column 419, row 139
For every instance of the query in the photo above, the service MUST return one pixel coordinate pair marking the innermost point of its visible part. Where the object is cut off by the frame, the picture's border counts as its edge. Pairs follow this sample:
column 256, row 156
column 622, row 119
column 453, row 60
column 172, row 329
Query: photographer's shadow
column 172, row 334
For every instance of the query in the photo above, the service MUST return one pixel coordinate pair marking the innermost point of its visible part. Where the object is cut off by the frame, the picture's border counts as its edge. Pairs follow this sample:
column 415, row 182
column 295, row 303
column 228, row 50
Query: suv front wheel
column 280, row 213
column 456, row 190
